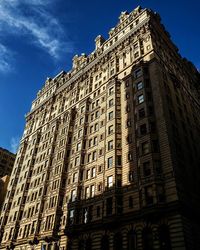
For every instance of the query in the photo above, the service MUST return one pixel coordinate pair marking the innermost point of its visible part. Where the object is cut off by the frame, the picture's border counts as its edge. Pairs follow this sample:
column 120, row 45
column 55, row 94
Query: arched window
column 164, row 237
column 88, row 244
column 131, row 240
column 118, row 241
column 147, row 239
column 105, row 243
column 81, row 245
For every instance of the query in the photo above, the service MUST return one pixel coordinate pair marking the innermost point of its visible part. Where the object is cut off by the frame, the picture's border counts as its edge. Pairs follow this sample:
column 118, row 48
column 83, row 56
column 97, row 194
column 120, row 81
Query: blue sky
column 38, row 39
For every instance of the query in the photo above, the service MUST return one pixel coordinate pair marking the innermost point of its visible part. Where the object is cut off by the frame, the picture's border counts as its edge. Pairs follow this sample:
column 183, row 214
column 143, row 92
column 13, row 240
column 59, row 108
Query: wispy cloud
column 14, row 144
column 5, row 56
column 33, row 20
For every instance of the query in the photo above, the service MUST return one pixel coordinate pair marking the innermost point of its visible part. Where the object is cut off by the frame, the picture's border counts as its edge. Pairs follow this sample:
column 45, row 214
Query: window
column 109, row 206
column 157, row 167
column 147, row 239
column 78, row 146
column 139, row 85
column 110, row 162
column 130, row 156
column 143, row 129
column 128, row 123
column 75, row 177
column 136, row 54
column 77, row 161
column 110, row 145
column 81, row 121
column 111, row 103
column 138, row 73
column 145, row 148
column 92, row 190
column 146, row 168
column 89, row 157
column 110, row 181
column 95, row 140
column 149, row 195
column 129, row 138
column 92, row 117
column 110, row 129
column 87, row 192
column 73, row 195
column 135, row 46
column 93, row 173
column 97, row 114
column 111, row 91
column 91, row 129
column 160, row 193
column 130, row 201
column 164, row 237
column 148, row 47
column 141, row 113
column 82, row 109
column 94, row 155
column 131, row 238
column 96, row 126
column 71, row 216
column 88, row 174
column 140, row 99
column 110, row 115
column 90, row 143
column 80, row 132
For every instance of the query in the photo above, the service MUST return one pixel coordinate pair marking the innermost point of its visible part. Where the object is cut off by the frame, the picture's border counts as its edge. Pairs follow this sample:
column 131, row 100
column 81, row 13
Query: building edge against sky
column 109, row 158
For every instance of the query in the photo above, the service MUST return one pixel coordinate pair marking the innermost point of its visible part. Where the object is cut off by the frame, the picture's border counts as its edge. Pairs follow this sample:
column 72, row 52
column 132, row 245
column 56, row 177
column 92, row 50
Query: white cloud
column 5, row 56
column 31, row 20
column 14, row 144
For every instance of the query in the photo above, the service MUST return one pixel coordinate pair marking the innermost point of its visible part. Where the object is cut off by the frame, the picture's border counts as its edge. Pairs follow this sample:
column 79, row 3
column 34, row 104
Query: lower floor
column 172, row 232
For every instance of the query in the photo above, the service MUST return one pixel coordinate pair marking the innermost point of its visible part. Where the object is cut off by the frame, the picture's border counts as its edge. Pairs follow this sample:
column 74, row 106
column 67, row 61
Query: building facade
column 110, row 154
column 7, row 160
column 3, row 189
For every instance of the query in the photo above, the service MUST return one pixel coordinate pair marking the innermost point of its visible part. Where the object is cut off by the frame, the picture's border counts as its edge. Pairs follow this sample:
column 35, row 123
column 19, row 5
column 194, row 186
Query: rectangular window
column 89, row 157
column 93, row 173
column 110, row 145
column 111, row 91
column 75, row 177
column 92, row 189
column 77, row 161
column 111, row 103
column 138, row 73
column 149, row 195
column 139, row 85
column 88, row 174
column 140, row 99
column 110, row 115
column 78, row 146
column 109, row 205
column 110, row 162
column 110, row 181
column 146, row 169
column 110, row 129
column 94, row 156
column 143, row 129
column 90, row 143
column 87, row 192
column 73, row 195
column 95, row 140
column 145, row 148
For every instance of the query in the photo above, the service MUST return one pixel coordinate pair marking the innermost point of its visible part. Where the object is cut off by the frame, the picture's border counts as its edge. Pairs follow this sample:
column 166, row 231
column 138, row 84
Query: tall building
column 110, row 154
column 7, row 160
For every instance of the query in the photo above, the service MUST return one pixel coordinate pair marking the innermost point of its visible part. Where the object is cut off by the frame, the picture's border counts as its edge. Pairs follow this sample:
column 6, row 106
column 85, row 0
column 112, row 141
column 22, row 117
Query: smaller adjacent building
column 7, row 160
column 3, row 188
